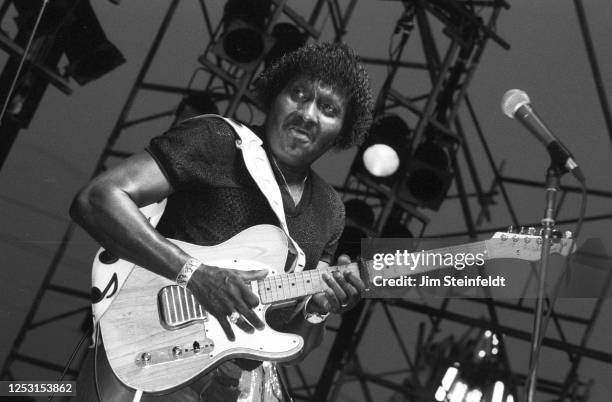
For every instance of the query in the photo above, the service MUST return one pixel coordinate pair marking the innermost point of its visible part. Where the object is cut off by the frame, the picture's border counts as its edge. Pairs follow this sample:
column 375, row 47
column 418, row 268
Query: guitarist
column 317, row 98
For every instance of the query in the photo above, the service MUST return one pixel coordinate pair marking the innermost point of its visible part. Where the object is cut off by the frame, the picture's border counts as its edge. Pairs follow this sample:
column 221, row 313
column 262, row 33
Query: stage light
column 78, row 34
column 288, row 38
column 380, row 158
column 427, row 177
column 244, row 40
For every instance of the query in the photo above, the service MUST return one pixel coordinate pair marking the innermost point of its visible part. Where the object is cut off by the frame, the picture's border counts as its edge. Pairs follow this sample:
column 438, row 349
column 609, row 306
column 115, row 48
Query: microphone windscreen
column 512, row 100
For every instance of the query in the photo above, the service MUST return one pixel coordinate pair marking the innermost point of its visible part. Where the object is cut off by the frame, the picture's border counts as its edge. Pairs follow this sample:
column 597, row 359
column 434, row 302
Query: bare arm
column 107, row 208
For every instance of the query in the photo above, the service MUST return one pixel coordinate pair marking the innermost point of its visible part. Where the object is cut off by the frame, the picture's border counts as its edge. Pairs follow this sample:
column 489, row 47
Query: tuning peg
column 510, row 229
column 531, row 231
column 523, row 230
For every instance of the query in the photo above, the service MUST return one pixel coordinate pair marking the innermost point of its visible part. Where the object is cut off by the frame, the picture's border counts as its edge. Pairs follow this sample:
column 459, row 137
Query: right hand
column 222, row 291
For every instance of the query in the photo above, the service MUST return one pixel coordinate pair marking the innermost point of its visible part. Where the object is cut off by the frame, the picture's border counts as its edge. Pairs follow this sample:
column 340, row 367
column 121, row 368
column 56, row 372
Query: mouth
column 300, row 133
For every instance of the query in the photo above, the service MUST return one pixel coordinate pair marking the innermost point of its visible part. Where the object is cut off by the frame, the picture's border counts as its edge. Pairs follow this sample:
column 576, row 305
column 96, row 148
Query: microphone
column 516, row 105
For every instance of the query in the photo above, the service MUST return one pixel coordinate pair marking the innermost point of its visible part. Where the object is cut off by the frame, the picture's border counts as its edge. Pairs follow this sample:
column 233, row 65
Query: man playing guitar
column 316, row 98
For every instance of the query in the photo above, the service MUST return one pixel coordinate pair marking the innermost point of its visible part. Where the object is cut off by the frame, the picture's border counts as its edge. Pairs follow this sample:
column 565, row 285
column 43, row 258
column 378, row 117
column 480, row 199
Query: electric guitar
column 158, row 337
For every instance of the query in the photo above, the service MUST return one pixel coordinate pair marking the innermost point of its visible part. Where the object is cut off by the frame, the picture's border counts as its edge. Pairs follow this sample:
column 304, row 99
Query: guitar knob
column 146, row 358
column 177, row 351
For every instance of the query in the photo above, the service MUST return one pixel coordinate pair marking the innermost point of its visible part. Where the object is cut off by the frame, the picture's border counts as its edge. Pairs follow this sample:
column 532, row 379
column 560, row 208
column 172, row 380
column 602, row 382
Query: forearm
column 111, row 217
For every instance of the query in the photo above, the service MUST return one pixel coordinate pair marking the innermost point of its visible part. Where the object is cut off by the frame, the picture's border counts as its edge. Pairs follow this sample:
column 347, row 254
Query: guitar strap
column 259, row 167
column 109, row 274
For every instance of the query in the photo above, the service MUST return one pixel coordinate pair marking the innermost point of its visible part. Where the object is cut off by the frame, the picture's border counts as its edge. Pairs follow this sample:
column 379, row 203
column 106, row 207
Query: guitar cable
column 71, row 358
column 95, row 360
column 557, row 287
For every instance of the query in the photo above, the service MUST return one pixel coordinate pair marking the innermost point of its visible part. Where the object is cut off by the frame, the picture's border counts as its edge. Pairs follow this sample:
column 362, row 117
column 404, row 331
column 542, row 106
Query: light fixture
column 288, row 38
column 244, row 41
column 427, row 176
column 382, row 155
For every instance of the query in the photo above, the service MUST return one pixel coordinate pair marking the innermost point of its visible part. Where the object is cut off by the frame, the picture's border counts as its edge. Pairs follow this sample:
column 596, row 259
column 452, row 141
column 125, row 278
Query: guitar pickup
column 178, row 308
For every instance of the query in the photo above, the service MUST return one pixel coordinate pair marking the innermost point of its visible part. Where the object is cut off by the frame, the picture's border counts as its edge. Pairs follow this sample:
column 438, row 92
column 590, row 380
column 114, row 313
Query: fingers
column 227, row 328
column 246, row 313
column 319, row 304
column 252, row 275
column 344, row 290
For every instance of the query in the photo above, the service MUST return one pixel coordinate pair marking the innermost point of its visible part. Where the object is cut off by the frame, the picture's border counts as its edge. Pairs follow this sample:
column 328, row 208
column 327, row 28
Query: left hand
column 343, row 294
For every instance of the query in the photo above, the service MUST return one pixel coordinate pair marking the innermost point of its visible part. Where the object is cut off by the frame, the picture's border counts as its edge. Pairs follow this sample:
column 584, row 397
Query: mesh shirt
column 215, row 197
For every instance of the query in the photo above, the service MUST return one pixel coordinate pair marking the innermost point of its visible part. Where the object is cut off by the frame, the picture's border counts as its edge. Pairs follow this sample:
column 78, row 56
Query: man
column 316, row 98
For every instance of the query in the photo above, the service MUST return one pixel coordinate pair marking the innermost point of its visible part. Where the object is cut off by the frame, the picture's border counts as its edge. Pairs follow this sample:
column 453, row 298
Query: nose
column 308, row 110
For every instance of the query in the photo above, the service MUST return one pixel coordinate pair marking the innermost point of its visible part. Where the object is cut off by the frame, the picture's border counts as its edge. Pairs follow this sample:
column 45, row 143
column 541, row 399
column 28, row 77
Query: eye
column 328, row 109
column 299, row 93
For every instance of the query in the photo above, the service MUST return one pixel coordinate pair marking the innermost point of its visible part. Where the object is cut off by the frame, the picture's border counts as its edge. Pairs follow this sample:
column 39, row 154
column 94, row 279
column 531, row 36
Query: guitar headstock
column 527, row 244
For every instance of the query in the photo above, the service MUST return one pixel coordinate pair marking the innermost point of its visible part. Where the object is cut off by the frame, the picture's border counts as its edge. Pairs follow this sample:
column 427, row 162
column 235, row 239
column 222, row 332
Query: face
column 304, row 120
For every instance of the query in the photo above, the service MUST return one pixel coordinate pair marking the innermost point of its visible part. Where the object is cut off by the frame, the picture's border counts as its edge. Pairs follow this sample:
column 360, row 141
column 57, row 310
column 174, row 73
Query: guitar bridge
column 178, row 308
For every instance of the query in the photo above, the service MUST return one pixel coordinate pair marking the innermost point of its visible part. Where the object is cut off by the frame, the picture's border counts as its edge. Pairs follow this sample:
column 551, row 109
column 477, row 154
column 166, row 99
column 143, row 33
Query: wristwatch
column 313, row 318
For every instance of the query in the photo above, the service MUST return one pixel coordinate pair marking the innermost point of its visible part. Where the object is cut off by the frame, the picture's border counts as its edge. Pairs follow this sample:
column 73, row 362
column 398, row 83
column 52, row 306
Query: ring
column 345, row 305
column 234, row 317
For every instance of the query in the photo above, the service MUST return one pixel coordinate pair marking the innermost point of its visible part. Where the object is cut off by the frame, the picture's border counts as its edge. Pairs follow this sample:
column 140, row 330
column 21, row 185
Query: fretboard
column 284, row 287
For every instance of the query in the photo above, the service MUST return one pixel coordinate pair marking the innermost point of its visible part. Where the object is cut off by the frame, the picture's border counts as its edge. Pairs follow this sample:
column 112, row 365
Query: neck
column 293, row 175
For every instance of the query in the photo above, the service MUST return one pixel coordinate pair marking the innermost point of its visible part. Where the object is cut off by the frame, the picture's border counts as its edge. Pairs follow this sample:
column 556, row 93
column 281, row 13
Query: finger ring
column 345, row 305
column 234, row 317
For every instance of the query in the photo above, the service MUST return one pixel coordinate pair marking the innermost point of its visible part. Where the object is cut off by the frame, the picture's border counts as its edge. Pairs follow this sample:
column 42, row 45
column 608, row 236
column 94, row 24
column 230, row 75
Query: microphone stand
column 553, row 175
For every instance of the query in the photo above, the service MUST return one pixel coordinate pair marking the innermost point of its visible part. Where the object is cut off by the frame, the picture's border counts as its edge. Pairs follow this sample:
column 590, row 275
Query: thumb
column 253, row 275
column 343, row 259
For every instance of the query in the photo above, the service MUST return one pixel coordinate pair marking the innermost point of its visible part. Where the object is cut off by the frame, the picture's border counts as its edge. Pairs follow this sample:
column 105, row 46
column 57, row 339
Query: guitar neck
column 285, row 287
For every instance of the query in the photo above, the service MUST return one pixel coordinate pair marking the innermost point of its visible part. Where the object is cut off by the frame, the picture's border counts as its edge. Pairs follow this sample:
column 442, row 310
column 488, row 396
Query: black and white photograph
column 305, row 201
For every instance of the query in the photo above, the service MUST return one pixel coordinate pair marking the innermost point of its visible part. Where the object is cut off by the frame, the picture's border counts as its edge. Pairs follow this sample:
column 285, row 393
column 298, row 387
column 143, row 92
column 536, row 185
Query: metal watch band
column 190, row 266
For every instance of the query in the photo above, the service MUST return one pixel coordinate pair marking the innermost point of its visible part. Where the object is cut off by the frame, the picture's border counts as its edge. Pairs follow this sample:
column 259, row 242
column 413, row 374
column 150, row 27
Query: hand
column 223, row 291
column 343, row 294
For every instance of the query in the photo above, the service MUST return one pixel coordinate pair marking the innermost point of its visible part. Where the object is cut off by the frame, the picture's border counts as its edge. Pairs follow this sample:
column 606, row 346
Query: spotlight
column 380, row 158
column 244, row 40
column 90, row 54
column 288, row 38
column 427, row 177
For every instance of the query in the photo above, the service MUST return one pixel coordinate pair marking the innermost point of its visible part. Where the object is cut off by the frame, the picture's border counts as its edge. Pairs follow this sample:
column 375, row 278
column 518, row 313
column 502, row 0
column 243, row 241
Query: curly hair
column 335, row 64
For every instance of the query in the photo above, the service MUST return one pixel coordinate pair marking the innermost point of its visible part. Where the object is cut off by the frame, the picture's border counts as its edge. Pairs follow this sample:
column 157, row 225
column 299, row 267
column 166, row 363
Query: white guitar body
column 146, row 354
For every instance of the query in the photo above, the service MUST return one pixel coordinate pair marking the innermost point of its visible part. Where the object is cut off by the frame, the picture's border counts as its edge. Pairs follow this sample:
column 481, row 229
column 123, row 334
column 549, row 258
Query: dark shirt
column 215, row 197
